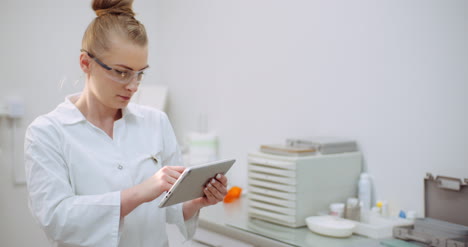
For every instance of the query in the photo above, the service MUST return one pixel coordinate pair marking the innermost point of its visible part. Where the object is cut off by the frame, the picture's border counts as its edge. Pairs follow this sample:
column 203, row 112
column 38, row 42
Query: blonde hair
column 115, row 18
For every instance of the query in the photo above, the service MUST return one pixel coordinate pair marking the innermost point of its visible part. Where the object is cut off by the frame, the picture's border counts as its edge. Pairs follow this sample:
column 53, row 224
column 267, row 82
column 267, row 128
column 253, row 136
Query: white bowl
column 330, row 226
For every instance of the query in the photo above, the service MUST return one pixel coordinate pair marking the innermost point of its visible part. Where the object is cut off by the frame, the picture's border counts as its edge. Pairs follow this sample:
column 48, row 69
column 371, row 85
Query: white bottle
column 337, row 209
column 364, row 187
column 384, row 210
column 203, row 144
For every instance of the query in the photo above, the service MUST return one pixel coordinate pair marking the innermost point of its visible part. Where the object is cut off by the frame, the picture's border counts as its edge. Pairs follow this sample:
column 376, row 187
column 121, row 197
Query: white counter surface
column 231, row 219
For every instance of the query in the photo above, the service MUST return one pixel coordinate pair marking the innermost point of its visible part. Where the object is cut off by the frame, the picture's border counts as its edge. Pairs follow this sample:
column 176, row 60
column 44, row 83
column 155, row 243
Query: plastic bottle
column 203, row 147
column 378, row 205
column 411, row 215
column 202, row 144
column 337, row 209
column 353, row 210
column 365, row 191
column 384, row 210
column 402, row 214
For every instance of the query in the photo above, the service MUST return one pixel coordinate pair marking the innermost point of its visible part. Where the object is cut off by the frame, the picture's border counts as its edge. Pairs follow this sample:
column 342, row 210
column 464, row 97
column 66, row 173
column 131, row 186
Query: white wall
column 39, row 46
column 390, row 74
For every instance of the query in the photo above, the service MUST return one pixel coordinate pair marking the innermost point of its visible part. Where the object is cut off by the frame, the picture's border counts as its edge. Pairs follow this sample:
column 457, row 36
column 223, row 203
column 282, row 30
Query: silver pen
column 153, row 157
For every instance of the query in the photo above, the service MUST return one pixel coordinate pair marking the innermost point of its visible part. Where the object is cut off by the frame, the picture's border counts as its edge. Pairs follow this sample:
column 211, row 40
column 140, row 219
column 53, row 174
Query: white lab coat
column 75, row 173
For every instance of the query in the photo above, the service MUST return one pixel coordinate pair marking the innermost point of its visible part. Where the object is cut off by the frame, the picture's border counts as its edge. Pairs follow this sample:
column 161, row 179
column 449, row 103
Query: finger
column 175, row 173
column 177, row 168
column 171, row 180
column 222, row 179
column 168, row 175
column 168, row 179
column 166, row 187
column 219, row 186
column 216, row 194
column 209, row 195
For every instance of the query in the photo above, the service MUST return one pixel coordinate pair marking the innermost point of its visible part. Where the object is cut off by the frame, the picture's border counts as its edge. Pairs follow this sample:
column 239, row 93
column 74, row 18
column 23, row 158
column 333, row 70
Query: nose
column 132, row 86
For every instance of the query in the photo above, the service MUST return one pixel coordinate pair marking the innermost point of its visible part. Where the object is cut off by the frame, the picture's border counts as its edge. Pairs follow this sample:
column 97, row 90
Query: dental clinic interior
column 348, row 120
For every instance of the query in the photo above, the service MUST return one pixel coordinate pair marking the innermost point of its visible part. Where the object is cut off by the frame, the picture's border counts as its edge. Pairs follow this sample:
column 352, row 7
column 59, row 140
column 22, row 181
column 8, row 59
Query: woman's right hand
column 160, row 182
column 149, row 189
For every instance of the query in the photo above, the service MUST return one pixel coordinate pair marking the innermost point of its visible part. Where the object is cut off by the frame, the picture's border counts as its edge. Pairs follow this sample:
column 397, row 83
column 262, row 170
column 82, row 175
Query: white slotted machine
column 285, row 190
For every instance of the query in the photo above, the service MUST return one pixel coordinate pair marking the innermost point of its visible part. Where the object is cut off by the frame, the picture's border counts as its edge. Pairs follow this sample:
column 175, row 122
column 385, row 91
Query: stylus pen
column 154, row 159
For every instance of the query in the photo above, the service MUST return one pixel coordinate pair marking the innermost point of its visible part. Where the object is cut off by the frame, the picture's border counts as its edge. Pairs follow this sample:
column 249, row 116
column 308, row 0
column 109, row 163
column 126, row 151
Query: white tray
column 379, row 227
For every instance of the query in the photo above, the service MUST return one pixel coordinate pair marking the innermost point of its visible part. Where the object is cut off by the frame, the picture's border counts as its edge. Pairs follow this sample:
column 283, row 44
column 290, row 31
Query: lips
column 124, row 97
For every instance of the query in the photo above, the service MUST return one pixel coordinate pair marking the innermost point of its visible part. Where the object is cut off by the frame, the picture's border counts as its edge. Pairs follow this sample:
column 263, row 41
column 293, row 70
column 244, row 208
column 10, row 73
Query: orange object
column 233, row 193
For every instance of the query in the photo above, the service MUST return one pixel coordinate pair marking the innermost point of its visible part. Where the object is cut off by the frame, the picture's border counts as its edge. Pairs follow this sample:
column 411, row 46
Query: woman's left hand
column 215, row 191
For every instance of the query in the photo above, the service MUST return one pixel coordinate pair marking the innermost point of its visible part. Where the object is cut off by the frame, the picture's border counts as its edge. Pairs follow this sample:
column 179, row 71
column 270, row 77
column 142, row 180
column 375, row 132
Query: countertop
column 231, row 219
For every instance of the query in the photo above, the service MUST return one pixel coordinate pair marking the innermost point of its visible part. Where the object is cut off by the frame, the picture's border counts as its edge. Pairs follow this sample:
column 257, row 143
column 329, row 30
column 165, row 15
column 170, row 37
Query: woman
column 97, row 165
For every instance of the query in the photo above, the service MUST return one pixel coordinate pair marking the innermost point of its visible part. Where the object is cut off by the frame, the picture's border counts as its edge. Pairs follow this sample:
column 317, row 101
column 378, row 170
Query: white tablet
column 193, row 180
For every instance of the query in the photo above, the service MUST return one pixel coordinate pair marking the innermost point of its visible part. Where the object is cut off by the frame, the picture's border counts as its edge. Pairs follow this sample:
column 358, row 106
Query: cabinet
column 285, row 190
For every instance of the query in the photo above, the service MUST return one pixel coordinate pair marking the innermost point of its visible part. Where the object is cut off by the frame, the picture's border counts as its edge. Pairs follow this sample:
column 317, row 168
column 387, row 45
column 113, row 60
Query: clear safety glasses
column 119, row 75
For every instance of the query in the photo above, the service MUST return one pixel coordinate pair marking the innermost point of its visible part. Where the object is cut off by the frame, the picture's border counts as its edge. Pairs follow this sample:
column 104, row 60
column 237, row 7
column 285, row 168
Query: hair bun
column 115, row 11
column 113, row 7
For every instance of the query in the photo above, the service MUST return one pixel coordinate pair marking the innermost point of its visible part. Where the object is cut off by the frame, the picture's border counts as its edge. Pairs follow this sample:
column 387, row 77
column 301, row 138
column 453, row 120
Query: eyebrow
column 125, row 66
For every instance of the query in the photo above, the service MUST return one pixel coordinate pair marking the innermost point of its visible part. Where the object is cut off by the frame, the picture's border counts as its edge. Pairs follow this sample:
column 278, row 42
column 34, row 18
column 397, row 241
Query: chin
column 120, row 105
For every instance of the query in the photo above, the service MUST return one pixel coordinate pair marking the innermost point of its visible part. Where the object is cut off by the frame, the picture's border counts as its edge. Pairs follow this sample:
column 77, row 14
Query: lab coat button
column 120, row 167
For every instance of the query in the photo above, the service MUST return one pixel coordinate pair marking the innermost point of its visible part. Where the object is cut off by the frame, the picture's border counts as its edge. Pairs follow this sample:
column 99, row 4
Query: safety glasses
column 119, row 75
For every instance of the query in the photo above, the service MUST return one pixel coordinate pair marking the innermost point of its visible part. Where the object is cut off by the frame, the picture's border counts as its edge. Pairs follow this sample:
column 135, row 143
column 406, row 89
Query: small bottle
column 364, row 188
column 365, row 191
column 402, row 214
column 382, row 205
column 411, row 215
column 337, row 209
column 379, row 206
column 384, row 211
column 375, row 212
column 352, row 211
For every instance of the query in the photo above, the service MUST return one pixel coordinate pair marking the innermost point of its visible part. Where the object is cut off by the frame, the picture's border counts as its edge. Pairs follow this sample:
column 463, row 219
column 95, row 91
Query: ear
column 85, row 62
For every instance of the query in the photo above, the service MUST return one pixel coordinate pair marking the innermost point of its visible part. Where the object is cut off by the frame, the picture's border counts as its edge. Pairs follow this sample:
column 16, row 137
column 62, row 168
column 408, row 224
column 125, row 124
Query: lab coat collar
column 68, row 113
column 131, row 110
